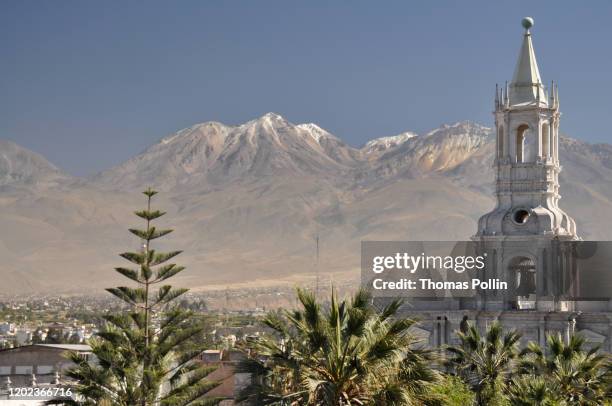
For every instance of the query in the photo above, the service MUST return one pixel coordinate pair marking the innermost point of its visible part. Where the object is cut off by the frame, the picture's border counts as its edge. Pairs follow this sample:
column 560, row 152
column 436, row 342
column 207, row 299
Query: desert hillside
column 247, row 201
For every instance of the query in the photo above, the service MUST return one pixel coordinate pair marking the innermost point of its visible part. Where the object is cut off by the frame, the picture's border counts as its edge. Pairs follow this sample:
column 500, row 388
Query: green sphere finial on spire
column 527, row 23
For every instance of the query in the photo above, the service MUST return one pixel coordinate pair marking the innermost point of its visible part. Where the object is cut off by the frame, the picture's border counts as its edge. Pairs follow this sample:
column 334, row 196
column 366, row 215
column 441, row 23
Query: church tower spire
column 526, row 86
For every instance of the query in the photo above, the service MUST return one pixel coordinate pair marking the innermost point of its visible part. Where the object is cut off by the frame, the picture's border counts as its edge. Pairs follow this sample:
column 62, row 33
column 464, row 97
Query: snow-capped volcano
column 215, row 152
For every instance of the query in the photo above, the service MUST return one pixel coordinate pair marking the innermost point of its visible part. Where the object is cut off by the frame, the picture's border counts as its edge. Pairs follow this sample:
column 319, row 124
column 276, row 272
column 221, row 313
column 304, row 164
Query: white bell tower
column 524, row 231
column 527, row 156
column 527, row 240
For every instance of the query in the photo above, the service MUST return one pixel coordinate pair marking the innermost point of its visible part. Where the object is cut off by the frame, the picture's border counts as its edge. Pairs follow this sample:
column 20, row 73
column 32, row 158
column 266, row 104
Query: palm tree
column 347, row 353
column 531, row 390
column 485, row 362
column 577, row 375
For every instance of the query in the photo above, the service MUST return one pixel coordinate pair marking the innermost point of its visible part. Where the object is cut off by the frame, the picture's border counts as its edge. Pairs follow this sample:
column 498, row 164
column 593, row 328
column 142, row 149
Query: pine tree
column 147, row 354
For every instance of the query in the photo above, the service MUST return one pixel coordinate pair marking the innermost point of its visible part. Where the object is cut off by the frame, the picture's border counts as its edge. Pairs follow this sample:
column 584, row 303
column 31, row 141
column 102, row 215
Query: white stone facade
column 524, row 234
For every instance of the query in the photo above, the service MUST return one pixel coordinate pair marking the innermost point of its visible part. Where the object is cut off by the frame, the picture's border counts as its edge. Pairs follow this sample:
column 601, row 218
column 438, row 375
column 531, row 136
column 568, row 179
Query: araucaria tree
column 146, row 355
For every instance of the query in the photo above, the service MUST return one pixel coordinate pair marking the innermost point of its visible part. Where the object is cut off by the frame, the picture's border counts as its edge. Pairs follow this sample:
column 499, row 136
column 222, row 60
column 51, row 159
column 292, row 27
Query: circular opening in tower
column 521, row 216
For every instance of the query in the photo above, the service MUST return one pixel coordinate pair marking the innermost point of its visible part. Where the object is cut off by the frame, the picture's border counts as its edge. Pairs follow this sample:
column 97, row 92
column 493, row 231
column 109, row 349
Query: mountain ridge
column 19, row 164
column 264, row 147
column 247, row 201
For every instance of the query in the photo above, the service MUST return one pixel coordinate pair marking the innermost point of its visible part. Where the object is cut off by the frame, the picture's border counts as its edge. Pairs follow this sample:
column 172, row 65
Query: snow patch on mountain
column 384, row 143
column 316, row 132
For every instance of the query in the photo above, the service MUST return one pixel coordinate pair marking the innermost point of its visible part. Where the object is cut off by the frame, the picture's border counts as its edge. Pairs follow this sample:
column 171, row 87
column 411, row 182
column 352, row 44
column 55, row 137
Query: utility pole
column 317, row 267
column 226, row 305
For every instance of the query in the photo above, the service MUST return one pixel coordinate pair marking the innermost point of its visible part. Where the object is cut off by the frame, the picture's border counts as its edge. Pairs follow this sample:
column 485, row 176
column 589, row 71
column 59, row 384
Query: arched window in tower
column 521, row 133
column 526, row 144
column 545, row 141
column 500, row 142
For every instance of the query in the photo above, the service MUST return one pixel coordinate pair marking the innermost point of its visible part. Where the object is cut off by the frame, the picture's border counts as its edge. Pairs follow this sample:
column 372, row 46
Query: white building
column 527, row 234
column 523, row 231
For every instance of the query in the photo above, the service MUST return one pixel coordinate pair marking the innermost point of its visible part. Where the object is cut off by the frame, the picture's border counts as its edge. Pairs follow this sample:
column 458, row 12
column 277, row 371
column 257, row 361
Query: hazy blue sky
column 90, row 84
